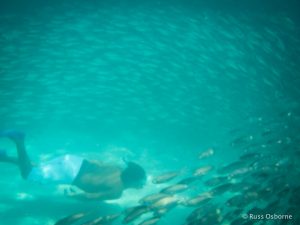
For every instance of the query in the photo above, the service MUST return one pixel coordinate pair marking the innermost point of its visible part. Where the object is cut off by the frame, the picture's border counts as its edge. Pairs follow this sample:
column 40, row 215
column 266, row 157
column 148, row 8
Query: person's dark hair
column 134, row 175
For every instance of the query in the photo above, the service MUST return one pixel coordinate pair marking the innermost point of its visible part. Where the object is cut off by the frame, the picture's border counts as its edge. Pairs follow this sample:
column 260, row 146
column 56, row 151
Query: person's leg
column 23, row 160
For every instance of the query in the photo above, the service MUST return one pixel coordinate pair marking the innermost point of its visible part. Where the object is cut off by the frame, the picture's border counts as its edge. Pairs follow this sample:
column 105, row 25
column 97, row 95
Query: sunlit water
column 153, row 83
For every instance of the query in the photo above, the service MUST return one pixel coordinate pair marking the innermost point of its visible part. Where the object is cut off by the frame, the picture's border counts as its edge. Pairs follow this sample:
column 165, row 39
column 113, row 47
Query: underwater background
column 155, row 82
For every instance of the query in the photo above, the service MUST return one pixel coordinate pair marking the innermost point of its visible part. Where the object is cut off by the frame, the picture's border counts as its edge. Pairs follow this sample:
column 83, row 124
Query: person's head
column 134, row 176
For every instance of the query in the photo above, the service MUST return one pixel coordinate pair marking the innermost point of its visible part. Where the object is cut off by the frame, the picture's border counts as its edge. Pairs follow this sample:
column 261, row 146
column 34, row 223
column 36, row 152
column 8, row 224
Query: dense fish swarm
column 142, row 65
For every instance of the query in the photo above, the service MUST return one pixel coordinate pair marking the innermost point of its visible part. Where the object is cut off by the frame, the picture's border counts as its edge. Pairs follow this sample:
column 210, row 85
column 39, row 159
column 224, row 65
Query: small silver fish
column 198, row 200
column 149, row 199
column 222, row 188
column 202, row 170
column 206, row 154
column 250, row 156
column 166, row 202
column 232, row 166
column 188, row 180
column 216, row 181
column 70, row 219
column 134, row 212
column 165, row 177
column 237, row 201
column 150, row 221
column 176, row 188
column 102, row 220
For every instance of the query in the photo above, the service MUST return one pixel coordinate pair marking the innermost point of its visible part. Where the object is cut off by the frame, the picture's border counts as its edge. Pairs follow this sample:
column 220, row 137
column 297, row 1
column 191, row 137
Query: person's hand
column 77, row 193
column 74, row 192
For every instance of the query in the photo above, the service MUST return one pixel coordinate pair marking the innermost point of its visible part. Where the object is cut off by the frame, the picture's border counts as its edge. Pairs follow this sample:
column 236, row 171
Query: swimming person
column 90, row 179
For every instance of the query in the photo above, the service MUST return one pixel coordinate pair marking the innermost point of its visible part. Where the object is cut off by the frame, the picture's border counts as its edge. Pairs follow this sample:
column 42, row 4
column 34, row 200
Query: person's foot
column 14, row 135
column 8, row 159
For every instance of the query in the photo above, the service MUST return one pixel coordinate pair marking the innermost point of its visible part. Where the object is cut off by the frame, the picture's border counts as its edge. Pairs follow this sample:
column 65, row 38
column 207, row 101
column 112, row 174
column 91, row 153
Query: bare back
column 95, row 177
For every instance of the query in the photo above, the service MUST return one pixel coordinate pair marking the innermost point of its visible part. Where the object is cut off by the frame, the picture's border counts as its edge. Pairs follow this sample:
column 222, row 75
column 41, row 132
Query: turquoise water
column 156, row 83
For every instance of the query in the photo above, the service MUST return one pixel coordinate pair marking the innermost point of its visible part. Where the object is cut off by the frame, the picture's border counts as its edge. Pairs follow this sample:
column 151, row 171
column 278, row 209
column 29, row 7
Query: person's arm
column 105, row 195
column 97, row 196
